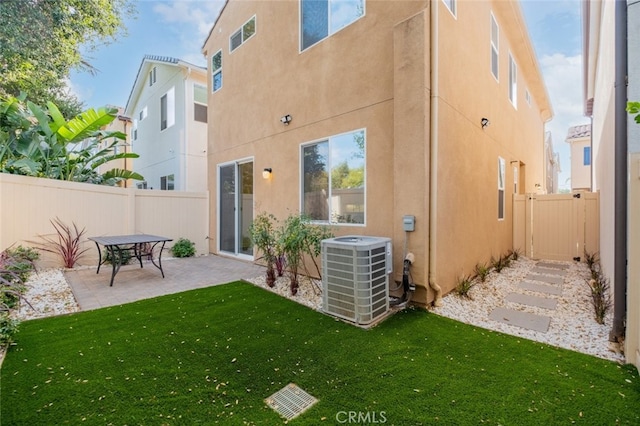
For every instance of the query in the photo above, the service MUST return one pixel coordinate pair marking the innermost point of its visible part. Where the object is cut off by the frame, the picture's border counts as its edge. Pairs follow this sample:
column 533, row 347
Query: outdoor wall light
column 286, row 119
column 484, row 122
column 266, row 173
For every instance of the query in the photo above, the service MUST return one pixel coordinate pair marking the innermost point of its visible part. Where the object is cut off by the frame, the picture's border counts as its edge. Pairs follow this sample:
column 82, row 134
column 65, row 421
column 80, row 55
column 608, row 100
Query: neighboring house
column 552, row 162
column 367, row 111
column 579, row 140
column 611, row 58
column 168, row 107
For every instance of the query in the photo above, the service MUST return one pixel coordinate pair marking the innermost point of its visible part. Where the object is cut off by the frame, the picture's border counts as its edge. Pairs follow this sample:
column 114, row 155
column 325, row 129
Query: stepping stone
column 548, row 271
column 530, row 300
column 521, row 319
column 545, row 279
column 540, row 288
column 553, row 265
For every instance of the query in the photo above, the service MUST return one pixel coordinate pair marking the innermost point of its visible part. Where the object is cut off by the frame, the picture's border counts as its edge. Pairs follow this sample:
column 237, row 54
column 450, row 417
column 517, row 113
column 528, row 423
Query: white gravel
column 572, row 322
column 572, row 325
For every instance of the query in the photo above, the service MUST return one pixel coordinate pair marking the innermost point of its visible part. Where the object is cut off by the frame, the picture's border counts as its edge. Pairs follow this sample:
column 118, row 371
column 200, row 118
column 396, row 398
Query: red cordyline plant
column 66, row 243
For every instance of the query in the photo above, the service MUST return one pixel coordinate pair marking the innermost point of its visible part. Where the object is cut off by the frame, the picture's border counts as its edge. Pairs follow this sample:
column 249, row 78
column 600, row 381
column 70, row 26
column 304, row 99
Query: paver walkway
column 546, row 279
column 133, row 283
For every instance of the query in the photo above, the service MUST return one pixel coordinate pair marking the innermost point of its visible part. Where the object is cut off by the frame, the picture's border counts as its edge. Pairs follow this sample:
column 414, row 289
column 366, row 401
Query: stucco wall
column 376, row 74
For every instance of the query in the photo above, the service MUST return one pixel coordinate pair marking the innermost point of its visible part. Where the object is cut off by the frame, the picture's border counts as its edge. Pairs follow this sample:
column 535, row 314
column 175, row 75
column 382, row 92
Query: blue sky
column 178, row 28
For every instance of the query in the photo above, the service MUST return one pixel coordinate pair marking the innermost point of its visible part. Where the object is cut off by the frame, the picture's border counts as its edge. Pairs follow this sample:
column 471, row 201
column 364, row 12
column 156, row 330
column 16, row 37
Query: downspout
column 620, row 180
column 433, row 152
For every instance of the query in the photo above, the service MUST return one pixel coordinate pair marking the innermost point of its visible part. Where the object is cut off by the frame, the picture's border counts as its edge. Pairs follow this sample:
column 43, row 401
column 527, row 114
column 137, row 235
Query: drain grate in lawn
column 290, row 401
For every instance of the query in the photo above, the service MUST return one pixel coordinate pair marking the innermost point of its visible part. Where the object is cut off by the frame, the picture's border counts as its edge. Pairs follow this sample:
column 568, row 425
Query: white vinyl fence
column 27, row 206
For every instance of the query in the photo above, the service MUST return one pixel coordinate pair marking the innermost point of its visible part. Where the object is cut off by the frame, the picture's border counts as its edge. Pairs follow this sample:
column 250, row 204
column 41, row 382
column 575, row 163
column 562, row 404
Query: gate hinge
column 577, row 259
column 576, row 195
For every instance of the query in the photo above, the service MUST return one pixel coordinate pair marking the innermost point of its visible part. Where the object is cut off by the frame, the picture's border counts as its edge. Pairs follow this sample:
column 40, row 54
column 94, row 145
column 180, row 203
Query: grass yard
column 211, row 356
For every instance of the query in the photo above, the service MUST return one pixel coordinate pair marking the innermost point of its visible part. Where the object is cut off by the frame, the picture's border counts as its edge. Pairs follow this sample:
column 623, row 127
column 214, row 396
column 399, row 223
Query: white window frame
column 330, row 32
column 143, row 113
column 452, row 6
column 501, row 192
column 196, row 102
column 170, row 95
column 241, row 32
column 152, row 76
column 329, row 196
column 494, row 41
column 513, row 81
column 215, row 72
column 527, row 97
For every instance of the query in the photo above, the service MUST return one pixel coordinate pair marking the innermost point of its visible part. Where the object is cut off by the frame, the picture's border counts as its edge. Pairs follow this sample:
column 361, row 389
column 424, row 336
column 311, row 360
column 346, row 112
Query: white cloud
column 563, row 77
column 198, row 15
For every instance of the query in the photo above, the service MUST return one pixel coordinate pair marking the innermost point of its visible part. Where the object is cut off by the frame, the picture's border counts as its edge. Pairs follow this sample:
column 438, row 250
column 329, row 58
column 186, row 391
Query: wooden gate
column 556, row 226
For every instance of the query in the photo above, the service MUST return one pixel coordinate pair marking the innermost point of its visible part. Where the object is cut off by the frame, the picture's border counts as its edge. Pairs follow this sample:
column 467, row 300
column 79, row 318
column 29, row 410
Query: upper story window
column 134, row 130
column 527, row 97
column 152, row 76
column 143, row 114
column 513, row 81
column 586, row 156
column 495, row 36
column 199, row 103
column 216, row 71
column 451, row 5
column 321, row 18
column 167, row 109
column 333, row 179
column 243, row 34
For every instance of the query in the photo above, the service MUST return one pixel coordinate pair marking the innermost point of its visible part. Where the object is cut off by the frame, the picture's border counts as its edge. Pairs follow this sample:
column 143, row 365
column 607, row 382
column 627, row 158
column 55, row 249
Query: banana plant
column 39, row 142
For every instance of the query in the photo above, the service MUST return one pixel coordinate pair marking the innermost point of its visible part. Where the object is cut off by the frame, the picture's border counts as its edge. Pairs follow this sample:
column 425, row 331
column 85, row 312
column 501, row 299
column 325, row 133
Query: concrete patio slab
column 133, row 283
column 562, row 266
column 545, row 278
column 548, row 271
column 540, row 288
column 521, row 319
column 530, row 300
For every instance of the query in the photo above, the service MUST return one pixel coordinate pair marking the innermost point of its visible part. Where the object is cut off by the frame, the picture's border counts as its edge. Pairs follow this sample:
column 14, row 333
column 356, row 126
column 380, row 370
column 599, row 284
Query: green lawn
column 213, row 355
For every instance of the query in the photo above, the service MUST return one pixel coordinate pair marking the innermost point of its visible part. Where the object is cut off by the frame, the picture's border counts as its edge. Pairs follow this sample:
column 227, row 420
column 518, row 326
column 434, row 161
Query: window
column 333, row 179
column 166, row 183
column 527, row 97
column 216, row 71
column 495, row 35
column 451, row 5
column 199, row 103
column 152, row 76
column 321, row 18
column 243, row 34
column 586, row 156
column 134, row 130
column 513, row 81
column 143, row 114
column 501, row 170
column 141, row 185
column 167, row 109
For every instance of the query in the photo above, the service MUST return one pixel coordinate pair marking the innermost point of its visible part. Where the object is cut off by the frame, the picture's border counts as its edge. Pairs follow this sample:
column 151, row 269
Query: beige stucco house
column 367, row 111
column 579, row 140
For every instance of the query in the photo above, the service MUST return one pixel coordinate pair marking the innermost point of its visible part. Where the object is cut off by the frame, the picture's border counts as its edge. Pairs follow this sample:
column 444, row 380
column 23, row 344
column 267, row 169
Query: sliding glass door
column 235, row 192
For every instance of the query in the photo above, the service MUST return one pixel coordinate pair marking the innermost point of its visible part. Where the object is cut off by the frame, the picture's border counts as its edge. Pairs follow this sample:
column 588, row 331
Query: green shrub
column 464, row 286
column 183, row 248
column 8, row 327
column 482, row 271
column 125, row 260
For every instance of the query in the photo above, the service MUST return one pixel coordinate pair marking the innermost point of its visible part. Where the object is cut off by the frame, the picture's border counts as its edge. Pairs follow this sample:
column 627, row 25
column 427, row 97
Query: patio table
column 140, row 244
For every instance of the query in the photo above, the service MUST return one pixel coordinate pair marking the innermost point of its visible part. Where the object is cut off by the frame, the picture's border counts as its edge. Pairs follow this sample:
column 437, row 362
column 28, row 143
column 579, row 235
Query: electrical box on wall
column 409, row 223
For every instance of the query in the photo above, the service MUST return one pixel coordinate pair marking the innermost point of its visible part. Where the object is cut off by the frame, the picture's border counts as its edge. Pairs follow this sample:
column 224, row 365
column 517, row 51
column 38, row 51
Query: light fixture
column 285, row 119
column 266, row 173
column 484, row 122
